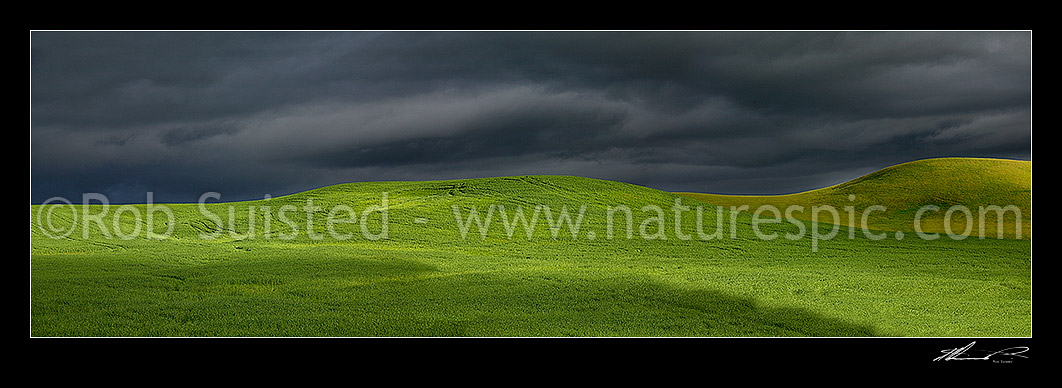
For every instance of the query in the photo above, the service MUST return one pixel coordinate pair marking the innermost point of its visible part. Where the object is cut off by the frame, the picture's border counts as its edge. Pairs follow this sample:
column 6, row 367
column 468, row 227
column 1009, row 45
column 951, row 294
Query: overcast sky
column 252, row 113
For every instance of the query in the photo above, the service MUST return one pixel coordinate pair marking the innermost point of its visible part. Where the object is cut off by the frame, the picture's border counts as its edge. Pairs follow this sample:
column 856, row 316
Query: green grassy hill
column 433, row 275
column 905, row 188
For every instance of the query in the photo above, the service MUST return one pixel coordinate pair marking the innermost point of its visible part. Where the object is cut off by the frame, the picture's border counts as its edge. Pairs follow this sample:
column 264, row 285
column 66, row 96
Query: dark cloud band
column 249, row 113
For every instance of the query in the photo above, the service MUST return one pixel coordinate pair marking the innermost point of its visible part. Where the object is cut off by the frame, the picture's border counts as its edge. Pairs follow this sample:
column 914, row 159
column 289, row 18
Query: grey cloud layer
column 248, row 113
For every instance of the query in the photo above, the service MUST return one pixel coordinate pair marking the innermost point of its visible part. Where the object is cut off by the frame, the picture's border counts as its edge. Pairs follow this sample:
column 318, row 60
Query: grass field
column 435, row 275
column 904, row 189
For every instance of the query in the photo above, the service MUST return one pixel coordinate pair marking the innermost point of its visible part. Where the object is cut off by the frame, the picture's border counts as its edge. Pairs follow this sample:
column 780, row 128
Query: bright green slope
column 426, row 280
column 905, row 188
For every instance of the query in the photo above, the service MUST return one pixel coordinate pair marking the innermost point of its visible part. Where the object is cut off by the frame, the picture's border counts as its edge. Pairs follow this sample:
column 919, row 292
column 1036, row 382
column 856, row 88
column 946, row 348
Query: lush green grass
column 425, row 279
column 905, row 188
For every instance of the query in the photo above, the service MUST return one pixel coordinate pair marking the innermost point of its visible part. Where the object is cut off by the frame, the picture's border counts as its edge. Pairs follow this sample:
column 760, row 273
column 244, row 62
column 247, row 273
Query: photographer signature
column 966, row 353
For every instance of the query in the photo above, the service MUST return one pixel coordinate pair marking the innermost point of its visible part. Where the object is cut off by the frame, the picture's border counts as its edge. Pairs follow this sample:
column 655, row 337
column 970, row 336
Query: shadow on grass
column 728, row 315
column 399, row 298
column 577, row 307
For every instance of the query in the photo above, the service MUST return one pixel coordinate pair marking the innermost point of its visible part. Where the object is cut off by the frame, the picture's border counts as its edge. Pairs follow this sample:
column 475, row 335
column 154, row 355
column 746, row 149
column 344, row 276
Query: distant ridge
column 905, row 188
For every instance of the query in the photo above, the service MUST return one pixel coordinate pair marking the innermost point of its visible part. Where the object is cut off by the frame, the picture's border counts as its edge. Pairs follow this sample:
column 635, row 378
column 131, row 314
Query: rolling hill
column 905, row 188
column 432, row 271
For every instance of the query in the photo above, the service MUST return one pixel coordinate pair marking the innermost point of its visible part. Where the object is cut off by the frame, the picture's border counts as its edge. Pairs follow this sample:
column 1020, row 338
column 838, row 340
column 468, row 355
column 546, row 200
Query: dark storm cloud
column 249, row 113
